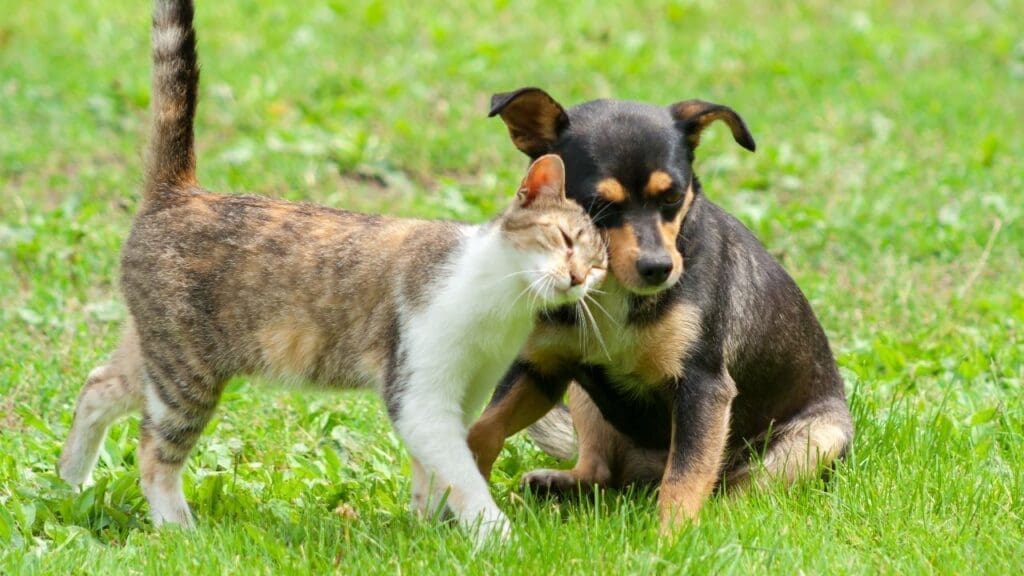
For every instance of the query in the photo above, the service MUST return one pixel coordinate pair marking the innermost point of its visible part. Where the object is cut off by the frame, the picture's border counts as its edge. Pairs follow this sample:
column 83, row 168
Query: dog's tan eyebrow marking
column 659, row 181
column 611, row 190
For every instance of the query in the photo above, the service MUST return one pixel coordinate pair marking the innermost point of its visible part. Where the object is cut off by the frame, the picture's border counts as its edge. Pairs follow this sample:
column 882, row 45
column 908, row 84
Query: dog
column 713, row 369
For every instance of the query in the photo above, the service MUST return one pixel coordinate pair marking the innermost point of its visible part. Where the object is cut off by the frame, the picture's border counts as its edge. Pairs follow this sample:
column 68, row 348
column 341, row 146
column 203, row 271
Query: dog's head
column 629, row 165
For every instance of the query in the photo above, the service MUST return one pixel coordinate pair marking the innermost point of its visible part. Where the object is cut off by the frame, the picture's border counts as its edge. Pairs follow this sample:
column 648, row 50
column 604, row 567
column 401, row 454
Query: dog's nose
column 654, row 271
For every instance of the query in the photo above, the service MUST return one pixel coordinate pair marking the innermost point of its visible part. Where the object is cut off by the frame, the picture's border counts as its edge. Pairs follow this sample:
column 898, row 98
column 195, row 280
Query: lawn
column 887, row 180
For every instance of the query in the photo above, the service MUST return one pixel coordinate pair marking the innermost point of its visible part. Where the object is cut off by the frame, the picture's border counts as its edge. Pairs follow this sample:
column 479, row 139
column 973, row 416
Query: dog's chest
column 637, row 357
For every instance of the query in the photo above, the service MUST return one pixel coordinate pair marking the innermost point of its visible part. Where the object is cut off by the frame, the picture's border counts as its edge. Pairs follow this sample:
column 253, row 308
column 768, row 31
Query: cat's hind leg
column 110, row 392
column 179, row 402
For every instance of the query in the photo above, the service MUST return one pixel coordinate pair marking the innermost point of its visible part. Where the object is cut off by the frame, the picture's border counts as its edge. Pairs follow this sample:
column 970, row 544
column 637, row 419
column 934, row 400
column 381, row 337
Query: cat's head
column 561, row 252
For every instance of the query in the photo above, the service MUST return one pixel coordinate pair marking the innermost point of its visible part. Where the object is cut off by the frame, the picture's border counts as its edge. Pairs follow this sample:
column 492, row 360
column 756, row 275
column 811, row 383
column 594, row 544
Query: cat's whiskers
column 547, row 285
column 600, row 212
column 581, row 323
column 600, row 307
column 525, row 290
column 516, row 273
column 597, row 330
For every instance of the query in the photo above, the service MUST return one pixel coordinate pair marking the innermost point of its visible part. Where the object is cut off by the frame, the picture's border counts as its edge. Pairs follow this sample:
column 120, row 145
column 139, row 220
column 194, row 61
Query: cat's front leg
column 432, row 429
column 421, row 492
column 428, row 493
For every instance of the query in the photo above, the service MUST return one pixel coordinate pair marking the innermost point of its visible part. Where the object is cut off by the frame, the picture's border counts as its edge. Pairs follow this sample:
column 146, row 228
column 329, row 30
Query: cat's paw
column 492, row 526
column 165, row 513
column 77, row 482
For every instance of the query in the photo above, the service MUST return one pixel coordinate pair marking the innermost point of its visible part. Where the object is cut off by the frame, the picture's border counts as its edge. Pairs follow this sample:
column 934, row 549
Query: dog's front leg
column 521, row 399
column 700, row 426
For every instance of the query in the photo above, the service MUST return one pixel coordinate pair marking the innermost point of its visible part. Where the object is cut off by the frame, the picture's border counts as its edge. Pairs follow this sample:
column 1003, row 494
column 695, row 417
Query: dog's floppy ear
column 692, row 116
column 534, row 119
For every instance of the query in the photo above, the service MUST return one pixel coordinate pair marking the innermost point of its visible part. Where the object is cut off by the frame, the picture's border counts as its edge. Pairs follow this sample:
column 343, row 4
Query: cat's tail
column 171, row 161
column 554, row 433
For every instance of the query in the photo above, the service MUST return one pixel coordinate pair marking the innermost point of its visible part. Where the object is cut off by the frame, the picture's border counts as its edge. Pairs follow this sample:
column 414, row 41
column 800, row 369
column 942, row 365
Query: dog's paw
column 550, row 482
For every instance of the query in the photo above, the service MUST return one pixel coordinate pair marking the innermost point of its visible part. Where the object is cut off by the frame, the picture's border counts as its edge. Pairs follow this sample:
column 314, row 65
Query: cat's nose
column 576, row 279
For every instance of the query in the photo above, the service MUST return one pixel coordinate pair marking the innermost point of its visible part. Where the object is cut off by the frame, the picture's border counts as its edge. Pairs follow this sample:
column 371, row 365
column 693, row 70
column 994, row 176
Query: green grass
column 887, row 179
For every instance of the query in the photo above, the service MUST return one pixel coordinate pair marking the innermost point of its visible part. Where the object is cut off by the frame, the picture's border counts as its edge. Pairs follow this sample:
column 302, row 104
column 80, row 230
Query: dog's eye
column 671, row 197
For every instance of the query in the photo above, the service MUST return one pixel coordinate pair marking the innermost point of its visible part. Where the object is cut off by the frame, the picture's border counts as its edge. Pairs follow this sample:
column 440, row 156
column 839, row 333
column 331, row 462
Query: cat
column 429, row 313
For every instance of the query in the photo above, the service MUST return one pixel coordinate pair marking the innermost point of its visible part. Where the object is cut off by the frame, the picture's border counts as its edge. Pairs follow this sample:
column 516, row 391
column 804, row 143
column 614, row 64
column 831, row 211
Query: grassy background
column 887, row 179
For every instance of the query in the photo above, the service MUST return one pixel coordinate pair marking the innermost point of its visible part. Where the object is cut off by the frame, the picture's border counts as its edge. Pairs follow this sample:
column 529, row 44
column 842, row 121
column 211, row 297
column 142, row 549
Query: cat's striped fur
column 430, row 313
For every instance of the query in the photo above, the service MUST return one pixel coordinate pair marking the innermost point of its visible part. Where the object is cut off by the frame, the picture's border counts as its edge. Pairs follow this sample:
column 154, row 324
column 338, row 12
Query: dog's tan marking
column 797, row 449
column 611, row 190
column 670, row 229
column 657, row 183
column 682, row 495
column 660, row 346
column 687, row 201
column 597, row 439
column 623, row 251
column 679, row 502
column 670, row 233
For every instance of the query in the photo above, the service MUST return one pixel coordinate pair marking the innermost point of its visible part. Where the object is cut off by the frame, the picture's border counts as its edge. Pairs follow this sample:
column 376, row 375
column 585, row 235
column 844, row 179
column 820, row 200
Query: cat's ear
column 546, row 179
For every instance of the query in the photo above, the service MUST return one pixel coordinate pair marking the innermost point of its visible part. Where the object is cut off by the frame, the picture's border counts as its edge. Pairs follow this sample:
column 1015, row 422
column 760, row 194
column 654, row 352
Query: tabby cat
column 429, row 313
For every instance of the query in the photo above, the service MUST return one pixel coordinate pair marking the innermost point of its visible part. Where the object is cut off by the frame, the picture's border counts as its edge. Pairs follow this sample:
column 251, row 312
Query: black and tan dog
column 713, row 367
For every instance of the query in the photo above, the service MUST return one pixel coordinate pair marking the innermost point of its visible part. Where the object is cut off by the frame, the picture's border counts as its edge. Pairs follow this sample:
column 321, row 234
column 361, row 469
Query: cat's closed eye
column 566, row 240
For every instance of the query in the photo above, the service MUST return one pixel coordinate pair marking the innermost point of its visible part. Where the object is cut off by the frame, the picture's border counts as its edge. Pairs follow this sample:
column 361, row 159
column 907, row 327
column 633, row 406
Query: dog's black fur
column 758, row 372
